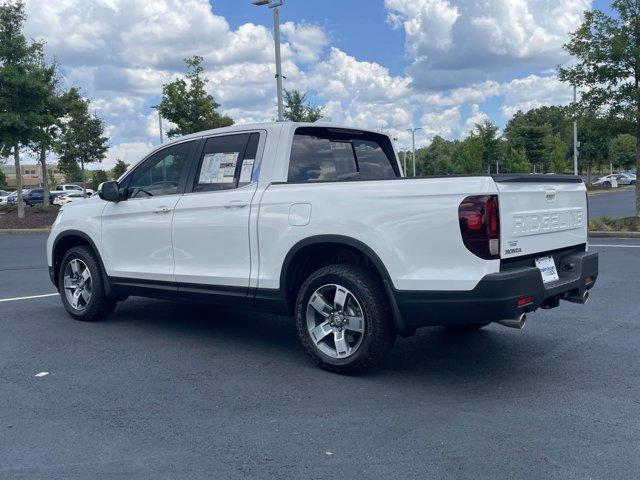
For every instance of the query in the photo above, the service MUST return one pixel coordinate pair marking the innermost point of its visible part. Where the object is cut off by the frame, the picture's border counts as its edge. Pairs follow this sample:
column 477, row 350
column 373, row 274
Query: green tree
column 607, row 49
column 622, row 151
column 49, row 126
column 557, row 154
column 187, row 104
column 437, row 158
column 298, row 109
column 97, row 177
column 25, row 88
column 118, row 169
column 487, row 133
column 594, row 135
column 469, row 155
column 82, row 140
column 530, row 137
column 513, row 161
column 70, row 169
column 3, row 179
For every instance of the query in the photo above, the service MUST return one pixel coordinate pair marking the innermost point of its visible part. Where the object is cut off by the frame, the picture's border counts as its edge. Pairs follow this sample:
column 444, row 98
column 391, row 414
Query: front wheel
column 343, row 319
column 81, row 286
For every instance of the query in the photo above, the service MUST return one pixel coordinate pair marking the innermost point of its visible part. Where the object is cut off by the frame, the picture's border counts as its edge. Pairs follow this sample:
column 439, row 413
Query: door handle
column 236, row 204
column 162, row 210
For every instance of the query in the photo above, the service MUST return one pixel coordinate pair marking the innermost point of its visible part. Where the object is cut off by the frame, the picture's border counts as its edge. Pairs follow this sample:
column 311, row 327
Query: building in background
column 32, row 175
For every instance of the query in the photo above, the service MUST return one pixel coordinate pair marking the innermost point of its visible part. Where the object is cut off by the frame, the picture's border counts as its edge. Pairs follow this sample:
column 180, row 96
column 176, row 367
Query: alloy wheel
column 77, row 284
column 335, row 321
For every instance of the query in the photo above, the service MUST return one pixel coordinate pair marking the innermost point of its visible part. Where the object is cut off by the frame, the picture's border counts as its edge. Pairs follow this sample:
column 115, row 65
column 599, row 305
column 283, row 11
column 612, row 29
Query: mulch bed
column 34, row 217
column 604, row 224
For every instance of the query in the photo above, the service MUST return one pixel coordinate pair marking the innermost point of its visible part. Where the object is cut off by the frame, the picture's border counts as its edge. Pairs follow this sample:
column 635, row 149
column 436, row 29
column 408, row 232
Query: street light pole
column 413, row 143
column 157, row 107
column 405, row 152
column 575, row 134
column 275, row 6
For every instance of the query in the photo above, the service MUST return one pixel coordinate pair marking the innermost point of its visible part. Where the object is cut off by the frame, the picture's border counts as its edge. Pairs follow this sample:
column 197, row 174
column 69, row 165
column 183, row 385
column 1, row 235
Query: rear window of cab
column 330, row 154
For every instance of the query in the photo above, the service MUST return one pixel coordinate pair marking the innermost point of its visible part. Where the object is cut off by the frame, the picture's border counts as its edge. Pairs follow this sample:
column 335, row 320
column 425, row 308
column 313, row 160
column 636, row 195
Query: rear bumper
column 496, row 295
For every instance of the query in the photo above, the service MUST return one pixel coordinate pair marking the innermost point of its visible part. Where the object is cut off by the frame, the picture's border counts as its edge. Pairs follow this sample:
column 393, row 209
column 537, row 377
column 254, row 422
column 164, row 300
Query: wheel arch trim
column 84, row 236
column 352, row 243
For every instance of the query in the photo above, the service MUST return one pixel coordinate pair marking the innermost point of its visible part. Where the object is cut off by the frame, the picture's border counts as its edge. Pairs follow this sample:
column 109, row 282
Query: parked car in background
column 53, row 196
column 620, row 178
column 13, row 197
column 3, row 196
column 67, row 198
column 627, row 179
column 34, row 196
column 69, row 188
column 31, row 197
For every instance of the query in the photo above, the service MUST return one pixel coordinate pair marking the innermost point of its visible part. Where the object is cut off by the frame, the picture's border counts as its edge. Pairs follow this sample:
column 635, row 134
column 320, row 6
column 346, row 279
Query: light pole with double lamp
column 275, row 5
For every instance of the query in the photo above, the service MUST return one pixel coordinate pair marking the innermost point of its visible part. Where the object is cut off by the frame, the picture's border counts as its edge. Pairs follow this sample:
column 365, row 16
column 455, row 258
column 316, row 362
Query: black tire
column 633, row 182
column 379, row 330
column 467, row 327
column 99, row 306
column 606, row 184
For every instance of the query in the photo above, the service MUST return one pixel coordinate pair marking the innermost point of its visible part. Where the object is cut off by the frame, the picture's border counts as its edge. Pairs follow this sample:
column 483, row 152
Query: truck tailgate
column 540, row 213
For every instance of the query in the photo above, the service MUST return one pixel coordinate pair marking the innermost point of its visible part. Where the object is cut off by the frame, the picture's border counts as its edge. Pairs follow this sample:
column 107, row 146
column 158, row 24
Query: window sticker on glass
column 247, row 170
column 218, row 168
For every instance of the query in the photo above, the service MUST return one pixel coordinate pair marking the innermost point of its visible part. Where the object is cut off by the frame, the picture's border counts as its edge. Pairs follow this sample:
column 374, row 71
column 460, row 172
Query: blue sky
column 443, row 65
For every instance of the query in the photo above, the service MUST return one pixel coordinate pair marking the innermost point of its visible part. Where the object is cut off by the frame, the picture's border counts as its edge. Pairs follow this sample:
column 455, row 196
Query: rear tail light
column 480, row 225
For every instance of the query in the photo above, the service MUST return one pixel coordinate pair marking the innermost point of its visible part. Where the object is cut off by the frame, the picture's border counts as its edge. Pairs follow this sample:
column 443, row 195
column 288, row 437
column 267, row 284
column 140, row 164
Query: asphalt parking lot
column 613, row 204
column 171, row 390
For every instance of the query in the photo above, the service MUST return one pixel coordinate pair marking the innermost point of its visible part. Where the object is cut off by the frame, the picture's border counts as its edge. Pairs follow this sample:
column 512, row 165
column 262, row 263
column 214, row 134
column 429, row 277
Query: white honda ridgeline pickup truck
column 317, row 222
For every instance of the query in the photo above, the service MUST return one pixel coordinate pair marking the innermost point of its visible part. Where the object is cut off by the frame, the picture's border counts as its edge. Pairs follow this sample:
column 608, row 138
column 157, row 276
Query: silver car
column 621, row 178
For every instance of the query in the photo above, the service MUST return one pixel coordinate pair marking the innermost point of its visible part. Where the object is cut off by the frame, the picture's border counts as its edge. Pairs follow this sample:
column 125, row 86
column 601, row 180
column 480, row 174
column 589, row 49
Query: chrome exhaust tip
column 519, row 322
column 581, row 299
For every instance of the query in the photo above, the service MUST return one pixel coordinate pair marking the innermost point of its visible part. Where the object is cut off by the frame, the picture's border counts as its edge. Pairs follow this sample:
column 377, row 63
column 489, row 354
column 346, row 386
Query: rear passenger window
column 325, row 154
column 221, row 163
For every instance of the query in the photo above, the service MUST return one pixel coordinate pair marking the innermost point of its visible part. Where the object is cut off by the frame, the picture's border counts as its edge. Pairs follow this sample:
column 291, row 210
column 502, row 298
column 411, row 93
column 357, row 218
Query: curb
column 21, row 231
column 614, row 234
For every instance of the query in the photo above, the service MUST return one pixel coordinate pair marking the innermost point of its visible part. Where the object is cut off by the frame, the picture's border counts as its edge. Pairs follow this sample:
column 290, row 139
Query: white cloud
column 444, row 123
column 307, row 41
column 458, row 42
column 342, row 76
column 476, row 116
column 534, row 91
column 461, row 54
column 129, row 152
column 121, row 52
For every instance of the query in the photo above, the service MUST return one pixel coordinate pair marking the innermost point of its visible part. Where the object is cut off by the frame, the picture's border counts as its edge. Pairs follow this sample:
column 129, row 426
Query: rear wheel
column 343, row 319
column 606, row 184
column 81, row 286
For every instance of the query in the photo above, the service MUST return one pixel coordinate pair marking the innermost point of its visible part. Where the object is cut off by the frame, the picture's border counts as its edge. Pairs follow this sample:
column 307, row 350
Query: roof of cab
column 268, row 126
column 263, row 126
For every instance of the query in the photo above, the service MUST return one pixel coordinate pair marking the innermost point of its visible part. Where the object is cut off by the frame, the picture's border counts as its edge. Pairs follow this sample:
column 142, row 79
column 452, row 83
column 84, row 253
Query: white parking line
column 615, row 246
column 27, row 298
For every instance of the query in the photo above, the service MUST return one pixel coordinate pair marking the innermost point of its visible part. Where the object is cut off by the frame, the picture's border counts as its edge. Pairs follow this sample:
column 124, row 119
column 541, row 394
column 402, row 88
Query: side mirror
column 109, row 191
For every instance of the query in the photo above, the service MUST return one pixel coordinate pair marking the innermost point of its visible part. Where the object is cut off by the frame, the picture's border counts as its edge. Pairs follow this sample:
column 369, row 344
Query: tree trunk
column 45, row 178
column 16, row 158
column 84, row 180
column 589, row 165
